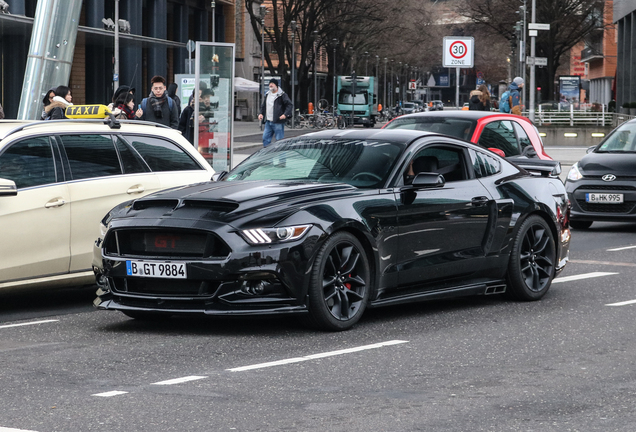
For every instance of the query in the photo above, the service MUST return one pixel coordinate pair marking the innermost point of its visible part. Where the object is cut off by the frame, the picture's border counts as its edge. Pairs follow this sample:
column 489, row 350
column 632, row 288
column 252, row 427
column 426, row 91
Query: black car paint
column 400, row 273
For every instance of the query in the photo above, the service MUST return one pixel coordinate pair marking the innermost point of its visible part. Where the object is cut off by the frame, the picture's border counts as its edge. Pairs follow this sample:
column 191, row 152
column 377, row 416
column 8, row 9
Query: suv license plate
column 156, row 269
column 604, row 198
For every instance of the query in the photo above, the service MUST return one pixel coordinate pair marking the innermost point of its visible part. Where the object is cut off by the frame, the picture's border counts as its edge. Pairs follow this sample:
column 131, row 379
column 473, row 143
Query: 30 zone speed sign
column 458, row 52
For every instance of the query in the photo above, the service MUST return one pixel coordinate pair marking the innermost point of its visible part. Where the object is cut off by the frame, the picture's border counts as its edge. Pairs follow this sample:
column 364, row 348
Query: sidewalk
column 248, row 135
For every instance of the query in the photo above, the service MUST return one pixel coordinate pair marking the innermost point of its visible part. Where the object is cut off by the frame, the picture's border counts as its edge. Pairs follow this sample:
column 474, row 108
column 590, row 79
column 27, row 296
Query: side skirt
column 498, row 287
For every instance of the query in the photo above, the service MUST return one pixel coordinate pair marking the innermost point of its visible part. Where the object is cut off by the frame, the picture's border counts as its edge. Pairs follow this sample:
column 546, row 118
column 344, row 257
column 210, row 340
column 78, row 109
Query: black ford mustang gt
column 331, row 223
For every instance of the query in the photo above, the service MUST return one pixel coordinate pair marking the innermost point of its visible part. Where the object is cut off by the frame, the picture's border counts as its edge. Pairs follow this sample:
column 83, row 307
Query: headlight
column 574, row 173
column 260, row 236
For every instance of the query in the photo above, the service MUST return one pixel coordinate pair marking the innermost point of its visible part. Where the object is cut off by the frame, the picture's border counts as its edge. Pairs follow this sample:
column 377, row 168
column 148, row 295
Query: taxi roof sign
column 87, row 112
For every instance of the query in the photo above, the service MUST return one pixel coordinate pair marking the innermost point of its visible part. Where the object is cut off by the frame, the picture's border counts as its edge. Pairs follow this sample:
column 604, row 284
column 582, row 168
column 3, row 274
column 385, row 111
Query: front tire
column 340, row 283
column 532, row 260
column 580, row 224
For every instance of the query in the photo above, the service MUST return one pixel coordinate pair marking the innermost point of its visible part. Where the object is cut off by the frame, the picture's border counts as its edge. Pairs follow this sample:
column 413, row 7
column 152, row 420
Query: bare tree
column 571, row 21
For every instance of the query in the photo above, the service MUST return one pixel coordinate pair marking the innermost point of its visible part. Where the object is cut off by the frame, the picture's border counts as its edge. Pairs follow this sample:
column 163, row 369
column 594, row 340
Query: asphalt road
column 565, row 363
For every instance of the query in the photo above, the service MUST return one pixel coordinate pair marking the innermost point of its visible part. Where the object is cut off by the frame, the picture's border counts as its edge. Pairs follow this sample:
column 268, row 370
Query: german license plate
column 156, row 269
column 604, row 198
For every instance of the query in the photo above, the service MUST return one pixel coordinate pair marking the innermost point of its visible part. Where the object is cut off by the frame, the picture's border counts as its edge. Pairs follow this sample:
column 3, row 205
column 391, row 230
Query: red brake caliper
column 348, row 285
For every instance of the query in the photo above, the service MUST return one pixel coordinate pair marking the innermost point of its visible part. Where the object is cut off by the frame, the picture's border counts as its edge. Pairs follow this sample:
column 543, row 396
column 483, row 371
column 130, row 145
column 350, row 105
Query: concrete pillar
column 50, row 53
column 157, row 11
column 130, row 64
column 181, row 34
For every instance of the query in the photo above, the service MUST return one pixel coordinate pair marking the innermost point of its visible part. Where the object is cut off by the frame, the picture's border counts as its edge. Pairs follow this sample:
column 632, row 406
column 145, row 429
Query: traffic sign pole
column 457, row 88
column 533, row 90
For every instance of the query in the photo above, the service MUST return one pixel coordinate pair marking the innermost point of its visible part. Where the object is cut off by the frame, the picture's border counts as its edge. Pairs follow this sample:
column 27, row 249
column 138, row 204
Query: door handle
column 136, row 189
column 479, row 201
column 55, row 202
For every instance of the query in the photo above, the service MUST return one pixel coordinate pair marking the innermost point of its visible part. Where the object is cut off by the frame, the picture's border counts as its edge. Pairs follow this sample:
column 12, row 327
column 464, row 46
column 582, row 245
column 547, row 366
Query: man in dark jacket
column 159, row 107
column 276, row 108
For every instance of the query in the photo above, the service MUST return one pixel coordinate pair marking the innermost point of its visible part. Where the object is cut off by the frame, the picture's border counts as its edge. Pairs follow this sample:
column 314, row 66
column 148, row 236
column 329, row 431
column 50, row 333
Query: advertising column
column 214, row 76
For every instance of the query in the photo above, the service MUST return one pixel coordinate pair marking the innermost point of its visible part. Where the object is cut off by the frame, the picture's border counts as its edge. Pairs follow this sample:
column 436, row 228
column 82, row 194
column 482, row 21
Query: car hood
column 236, row 202
column 599, row 164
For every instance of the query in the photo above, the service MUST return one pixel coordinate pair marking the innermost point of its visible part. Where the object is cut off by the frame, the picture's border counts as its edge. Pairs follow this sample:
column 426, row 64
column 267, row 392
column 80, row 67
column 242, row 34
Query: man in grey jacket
column 276, row 108
column 159, row 107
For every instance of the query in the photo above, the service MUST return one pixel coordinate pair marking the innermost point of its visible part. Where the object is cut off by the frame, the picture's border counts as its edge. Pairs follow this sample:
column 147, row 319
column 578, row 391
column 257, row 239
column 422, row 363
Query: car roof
column 473, row 115
column 399, row 135
column 9, row 128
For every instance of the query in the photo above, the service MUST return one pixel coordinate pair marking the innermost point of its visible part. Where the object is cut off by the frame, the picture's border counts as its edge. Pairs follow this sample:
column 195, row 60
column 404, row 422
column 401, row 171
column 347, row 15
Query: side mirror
column 529, row 152
column 589, row 149
column 428, row 180
column 8, row 188
column 219, row 176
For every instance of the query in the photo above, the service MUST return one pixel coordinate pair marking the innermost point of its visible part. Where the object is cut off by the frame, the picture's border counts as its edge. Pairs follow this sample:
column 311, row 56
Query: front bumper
column 583, row 211
column 252, row 280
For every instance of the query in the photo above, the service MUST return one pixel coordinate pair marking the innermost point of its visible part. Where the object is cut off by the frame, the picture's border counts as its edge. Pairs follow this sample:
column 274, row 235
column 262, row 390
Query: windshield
column 347, row 98
column 460, row 128
column 622, row 140
column 360, row 163
column 408, row 105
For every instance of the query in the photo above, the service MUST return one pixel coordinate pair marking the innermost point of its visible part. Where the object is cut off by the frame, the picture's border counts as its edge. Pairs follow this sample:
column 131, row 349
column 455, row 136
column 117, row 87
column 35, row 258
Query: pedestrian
column 158, row 107
column 48, row 98
column 186, row 121
column 59, row 103
column 117, row 96
column 124, row 106
column 515, row 86
column 275, row 109
column 172, row 92
column 479, row 99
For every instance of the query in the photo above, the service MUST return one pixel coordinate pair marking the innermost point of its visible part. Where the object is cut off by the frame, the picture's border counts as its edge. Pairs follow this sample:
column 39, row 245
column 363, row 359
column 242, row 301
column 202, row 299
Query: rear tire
column 532, row 260
column 580, row 224
column 340, row 283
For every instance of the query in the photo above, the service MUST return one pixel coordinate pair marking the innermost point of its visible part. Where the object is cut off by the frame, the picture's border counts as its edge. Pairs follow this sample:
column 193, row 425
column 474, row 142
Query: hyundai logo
column 609, row 177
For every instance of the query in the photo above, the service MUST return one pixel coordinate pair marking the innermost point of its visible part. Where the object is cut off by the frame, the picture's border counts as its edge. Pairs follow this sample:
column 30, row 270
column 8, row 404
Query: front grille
column 165, row 243
column 625, row 207
column 592, row 188
column 159, row 287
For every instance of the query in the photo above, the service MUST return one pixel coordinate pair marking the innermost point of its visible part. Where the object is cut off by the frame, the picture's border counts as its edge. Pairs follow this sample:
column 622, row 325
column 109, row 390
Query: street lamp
column 294, row 26
column 262, row 12
column 213, row 6
column 386, row 60
column 366, row 66
column 315, row 73
column 335, row 72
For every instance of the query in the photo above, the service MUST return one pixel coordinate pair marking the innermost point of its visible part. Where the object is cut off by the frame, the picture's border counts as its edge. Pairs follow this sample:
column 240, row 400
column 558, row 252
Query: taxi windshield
column 622, row 140
column 360, row 163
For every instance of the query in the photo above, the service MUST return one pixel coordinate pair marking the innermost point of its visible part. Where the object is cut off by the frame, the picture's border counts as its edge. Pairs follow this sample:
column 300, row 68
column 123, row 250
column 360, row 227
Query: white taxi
column 59, row 178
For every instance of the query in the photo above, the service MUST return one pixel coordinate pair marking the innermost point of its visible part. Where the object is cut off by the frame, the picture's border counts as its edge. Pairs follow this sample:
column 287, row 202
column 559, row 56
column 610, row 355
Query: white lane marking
column 625, row 303
column 316, row 356
column 109, row 394
column 4, row 429
column 26, row 324
column 621, row 248
column 179, row 380
column 582, row 276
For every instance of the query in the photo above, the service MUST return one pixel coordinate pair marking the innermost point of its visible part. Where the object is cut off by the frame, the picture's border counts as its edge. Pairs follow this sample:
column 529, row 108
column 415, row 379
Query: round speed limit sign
column 458, row 52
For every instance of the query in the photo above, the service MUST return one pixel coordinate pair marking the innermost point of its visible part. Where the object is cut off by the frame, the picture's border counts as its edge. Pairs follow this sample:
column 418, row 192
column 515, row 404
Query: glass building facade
column 625, row 20
column 156, row 45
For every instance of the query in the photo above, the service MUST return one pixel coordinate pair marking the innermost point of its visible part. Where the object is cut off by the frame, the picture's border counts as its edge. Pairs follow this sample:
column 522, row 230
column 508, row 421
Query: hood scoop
column 167, row 204
column 213, row 205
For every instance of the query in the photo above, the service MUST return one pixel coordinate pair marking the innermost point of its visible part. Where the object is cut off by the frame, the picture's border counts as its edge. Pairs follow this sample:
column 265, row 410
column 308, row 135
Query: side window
column 500, row 135
column 484, row 165
column 445, row 160
column 163, row 155
column 28, row 163
column 130, row 160
column 91, row 156
column 524, row 141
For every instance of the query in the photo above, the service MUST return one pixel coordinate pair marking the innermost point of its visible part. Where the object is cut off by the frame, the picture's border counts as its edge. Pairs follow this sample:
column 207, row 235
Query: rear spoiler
column 545, row 168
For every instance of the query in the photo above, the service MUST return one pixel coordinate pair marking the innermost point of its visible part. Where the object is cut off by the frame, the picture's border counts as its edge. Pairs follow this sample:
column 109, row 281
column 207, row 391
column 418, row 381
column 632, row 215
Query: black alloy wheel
column 580, row 224
column 532, row 260
column 340, row 283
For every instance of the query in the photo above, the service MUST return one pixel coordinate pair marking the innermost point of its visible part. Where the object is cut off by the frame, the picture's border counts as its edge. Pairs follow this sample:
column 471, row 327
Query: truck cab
column 360, row 95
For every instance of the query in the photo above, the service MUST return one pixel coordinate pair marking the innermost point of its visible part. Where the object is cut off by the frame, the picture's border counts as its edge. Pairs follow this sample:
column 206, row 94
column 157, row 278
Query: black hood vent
column 155, row 203
column 216, row 206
